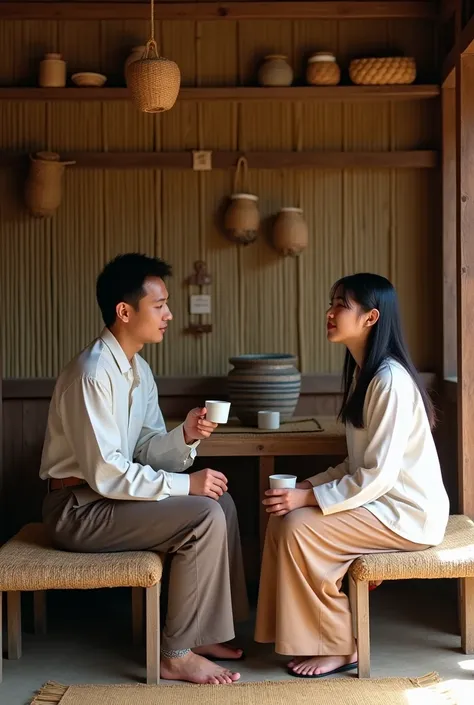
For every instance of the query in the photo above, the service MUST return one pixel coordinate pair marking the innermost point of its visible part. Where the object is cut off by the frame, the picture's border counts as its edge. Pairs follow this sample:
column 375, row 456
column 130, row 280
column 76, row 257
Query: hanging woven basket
column 242, row 218
column 43, row 189
column 153, row 81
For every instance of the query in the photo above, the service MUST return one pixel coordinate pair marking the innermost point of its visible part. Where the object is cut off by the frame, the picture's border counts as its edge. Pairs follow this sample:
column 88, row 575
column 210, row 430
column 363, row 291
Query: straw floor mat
column 427, row 690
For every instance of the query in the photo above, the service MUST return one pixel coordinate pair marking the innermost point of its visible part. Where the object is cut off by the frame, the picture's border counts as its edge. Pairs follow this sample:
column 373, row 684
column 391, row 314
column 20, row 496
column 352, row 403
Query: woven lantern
column 43, row 187
column 242, row 218
column 153, row 80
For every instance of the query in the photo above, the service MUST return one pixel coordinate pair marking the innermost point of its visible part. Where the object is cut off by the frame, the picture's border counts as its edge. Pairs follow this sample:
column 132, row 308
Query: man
column 114, row 474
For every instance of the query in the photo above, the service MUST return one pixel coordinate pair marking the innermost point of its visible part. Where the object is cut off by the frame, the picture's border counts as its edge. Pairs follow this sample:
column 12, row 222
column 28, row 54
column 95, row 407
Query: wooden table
column 266, row 446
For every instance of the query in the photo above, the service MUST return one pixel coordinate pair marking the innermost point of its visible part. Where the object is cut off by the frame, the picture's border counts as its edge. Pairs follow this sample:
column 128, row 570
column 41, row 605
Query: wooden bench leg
column 467, row 615
column 137, row 615
column 39, row 611
column 14, row 624
column 353, row 604
column 363, row 628
column 153, row 635
column 1, row 637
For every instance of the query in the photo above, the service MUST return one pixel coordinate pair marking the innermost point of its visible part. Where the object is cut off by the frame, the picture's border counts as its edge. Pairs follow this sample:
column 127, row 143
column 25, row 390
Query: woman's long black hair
column 385, row 340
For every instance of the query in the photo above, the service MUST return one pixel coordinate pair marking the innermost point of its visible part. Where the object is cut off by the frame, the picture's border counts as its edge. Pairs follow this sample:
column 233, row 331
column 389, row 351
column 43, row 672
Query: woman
column 388, row 494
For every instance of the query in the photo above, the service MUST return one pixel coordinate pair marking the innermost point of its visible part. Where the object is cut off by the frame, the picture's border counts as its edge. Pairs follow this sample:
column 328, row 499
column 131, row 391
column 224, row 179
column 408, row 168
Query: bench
column 453, row 558
column 29, row 562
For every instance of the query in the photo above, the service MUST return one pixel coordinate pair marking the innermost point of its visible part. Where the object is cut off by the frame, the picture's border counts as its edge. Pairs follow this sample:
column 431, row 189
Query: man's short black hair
column 122, row 279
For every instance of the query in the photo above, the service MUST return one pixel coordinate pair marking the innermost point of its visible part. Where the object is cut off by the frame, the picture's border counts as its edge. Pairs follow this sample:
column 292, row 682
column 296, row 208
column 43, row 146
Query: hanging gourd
column 242, row 218
column 153, row 81
column 290, row 232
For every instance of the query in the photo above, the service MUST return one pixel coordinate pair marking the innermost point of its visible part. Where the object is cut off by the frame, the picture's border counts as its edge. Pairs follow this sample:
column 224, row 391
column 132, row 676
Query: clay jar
column 52, row 71
column 275, row 71
column 290, row 232
column 135, row 54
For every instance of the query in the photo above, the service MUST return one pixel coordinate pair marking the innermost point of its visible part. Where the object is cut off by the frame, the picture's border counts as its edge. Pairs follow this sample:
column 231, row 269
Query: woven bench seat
column 453, row 558
column 29, row 562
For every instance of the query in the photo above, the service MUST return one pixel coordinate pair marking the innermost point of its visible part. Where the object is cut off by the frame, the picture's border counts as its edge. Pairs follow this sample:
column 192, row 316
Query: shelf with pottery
column 343, row 94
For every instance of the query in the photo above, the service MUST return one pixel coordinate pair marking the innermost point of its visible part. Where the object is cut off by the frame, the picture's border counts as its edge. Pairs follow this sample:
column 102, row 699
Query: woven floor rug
column 427, row 690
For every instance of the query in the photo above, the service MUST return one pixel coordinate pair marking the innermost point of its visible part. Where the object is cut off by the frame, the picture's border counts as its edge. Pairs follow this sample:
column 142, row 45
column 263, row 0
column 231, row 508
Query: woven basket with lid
column 394, row 70
column 322, row 70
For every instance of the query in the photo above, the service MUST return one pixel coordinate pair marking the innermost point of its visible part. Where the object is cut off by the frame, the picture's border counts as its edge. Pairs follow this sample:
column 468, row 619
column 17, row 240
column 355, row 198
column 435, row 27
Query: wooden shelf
column 200, row 11
column 236, row 93
column 420, row 159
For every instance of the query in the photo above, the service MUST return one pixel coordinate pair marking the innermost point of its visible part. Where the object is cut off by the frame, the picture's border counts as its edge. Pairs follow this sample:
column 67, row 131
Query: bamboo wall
column 381, row 220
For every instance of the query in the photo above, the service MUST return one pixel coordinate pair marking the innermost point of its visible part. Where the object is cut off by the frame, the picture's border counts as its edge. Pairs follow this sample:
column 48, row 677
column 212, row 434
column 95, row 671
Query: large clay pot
column 261, row 382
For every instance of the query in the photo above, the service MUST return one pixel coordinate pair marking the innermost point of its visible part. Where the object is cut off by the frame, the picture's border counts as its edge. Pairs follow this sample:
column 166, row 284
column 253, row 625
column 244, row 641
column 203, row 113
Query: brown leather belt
column 60, row 484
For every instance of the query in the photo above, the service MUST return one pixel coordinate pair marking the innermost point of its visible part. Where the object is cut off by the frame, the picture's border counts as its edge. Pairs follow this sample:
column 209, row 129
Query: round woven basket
column 394, row 70
column 153, row 81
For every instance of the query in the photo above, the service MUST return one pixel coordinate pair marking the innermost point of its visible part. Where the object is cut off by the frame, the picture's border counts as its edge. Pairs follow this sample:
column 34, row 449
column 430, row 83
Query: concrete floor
column 413, row 630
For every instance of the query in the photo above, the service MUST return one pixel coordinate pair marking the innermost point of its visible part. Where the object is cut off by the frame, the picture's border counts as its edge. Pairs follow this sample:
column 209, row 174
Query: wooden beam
column 237, row 93
column 311, row 384
column 421, row 159
column 449, row 230
column 464, row 45
column 200, row 11
column 465, row 277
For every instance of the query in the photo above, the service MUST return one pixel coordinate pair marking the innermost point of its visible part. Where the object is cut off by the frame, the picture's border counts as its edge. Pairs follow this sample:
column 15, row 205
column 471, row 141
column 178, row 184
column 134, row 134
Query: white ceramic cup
column 269, row 420
column 217, row 411
column 278, row 482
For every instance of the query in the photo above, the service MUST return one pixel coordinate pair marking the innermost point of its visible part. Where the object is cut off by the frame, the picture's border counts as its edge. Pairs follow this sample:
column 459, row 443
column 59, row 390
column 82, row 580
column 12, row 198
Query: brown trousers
column 207, row 585
column 300, row 604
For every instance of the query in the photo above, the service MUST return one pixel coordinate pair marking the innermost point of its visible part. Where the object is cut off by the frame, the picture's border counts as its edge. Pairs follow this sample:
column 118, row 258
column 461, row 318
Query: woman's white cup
column 278, row 482
column 217, row 411
column 269, row 420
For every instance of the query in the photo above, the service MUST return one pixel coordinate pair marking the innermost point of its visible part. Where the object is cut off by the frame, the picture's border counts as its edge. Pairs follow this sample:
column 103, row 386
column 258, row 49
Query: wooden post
column 465, row 275
column 449, row 227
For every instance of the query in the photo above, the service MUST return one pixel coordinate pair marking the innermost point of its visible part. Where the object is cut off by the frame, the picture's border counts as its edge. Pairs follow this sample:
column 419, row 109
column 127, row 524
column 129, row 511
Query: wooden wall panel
column 358, row 219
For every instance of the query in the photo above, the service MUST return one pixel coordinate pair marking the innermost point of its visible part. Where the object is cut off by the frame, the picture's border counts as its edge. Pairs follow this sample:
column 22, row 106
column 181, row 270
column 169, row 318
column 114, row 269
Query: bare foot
column 319, row 665
column 296, row 660
column 196, row 669
column 219, row 651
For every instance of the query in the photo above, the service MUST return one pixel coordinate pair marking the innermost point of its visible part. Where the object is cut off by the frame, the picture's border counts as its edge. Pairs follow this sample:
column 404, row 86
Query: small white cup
column 269, row 420
column 278, row 482
column 217, row 411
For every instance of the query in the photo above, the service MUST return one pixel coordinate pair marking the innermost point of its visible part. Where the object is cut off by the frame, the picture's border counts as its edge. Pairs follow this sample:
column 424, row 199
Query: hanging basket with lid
column 153, row 81
column 242, row 218
column 43, row 187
